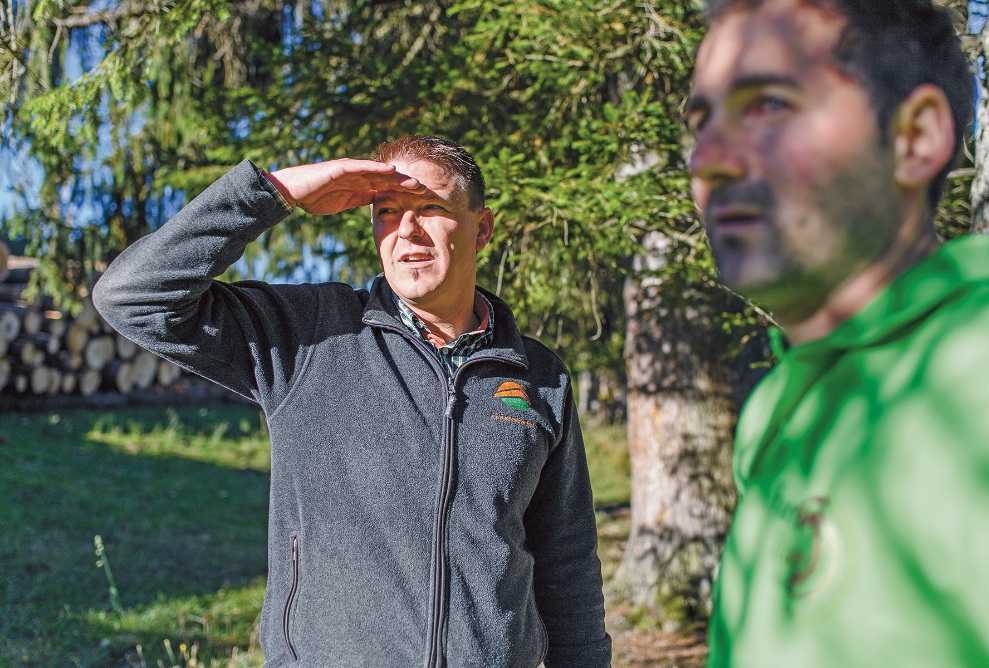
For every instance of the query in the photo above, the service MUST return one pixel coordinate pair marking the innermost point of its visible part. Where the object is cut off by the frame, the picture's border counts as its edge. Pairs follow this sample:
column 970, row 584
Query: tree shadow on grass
column 177, row 531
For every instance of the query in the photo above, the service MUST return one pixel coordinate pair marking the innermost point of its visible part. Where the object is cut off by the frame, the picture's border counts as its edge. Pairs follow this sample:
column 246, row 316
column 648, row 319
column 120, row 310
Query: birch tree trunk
column 681, row 418
column 980, row 183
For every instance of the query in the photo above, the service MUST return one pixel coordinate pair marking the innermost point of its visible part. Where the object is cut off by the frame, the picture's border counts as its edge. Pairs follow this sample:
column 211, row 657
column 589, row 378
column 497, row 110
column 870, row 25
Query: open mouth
column 733, row 221
column 736, row 228
column 733, row 217
column 415, row 259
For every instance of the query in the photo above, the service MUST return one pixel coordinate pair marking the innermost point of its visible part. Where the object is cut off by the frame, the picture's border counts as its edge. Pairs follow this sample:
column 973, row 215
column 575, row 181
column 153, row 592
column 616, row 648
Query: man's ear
column 485, row 226
column 923, row 131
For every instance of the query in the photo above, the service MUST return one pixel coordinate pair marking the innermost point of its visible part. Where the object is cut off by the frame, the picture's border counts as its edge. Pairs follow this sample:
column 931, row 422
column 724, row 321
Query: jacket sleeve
column 161, row 294
column 562, row 536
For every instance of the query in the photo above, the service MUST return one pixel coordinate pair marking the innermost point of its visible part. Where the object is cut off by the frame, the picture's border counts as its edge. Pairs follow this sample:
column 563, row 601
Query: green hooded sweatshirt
column 861, row 537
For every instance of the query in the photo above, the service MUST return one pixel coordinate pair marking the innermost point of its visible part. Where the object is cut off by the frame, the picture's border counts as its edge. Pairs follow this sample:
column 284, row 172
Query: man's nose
column 409, row 226
column 718, row 155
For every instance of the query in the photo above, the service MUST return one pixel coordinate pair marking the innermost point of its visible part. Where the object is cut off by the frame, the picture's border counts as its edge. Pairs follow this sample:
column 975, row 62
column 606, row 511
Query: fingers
column 376, row 175
column 383, row 176
column 314, row 187
column 336, row 201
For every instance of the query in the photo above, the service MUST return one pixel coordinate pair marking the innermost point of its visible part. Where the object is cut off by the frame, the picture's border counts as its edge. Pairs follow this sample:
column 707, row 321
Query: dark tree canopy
column 556, row 99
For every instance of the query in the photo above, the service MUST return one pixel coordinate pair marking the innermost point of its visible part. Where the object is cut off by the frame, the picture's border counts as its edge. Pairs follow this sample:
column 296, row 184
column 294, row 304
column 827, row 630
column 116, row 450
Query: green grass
column 607, row 459
column 179, row 497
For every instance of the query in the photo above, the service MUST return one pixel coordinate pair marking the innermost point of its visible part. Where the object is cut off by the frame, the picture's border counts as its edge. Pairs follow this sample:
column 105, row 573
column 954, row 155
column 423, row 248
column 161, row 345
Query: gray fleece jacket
column 413, row 521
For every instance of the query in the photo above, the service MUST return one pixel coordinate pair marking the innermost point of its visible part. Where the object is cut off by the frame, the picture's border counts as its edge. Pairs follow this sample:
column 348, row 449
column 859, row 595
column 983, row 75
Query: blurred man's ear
column 923, row 132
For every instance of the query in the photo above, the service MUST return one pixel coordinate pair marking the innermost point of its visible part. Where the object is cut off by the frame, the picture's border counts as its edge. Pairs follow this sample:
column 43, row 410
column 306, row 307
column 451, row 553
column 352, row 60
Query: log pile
column 44, row 351
column 48, row 352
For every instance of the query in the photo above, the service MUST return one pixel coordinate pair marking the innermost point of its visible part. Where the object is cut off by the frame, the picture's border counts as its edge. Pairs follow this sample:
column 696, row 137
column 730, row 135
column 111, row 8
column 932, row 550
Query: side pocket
column 545, row 639
column 287, row 613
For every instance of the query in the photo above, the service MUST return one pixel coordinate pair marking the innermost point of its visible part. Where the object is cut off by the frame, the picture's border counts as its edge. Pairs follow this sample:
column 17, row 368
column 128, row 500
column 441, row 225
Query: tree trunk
column 681, row 417
column 4, row 254
column 980, row 184
column 145, row 369
column 5, row 372
column 11, row 317
column 88, row 382
column 168, row 373
column 99, row 352
column 76, row 338
column 601, row 397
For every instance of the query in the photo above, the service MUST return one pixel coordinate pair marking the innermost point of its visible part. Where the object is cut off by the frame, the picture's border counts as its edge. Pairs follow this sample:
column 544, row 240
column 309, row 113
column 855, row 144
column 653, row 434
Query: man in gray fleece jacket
column 430, row 503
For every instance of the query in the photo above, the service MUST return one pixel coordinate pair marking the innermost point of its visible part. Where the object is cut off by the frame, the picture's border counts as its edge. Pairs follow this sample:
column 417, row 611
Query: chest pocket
column 505, row 439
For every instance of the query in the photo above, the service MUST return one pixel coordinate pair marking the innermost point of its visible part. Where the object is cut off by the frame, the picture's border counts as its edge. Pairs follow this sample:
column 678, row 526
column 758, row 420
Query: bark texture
column 681, row 418
column 980, row 184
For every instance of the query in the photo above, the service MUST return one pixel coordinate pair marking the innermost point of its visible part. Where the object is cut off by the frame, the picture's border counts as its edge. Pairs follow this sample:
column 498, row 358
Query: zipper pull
column 450, row 398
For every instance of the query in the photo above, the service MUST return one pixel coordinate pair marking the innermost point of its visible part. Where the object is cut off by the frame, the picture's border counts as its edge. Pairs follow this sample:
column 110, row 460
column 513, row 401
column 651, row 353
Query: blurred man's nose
column 718, row 155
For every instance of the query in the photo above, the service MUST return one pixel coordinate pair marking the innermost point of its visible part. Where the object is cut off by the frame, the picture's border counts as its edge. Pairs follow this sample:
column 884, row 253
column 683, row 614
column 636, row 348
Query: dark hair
column 891, row 48
column 452, row 157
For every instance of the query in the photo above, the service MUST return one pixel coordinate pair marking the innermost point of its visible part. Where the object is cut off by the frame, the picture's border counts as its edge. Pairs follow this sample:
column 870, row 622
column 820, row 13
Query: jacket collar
column 506, row 346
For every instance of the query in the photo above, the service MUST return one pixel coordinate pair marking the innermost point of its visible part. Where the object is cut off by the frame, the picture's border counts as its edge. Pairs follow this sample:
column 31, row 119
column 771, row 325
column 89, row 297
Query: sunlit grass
column 219, row 628
column 181, row 519
column 179, row 498
column 234, row 441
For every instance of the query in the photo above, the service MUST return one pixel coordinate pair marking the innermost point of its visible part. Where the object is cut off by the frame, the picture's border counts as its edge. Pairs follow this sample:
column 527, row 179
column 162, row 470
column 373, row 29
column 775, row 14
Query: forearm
column 571, row 602
column 161, row 277
column 160, row 291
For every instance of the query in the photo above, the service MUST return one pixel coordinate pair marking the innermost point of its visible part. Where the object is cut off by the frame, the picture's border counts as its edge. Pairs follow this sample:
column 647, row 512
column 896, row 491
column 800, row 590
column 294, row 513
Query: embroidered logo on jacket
column 513, row 395
column 818, row 558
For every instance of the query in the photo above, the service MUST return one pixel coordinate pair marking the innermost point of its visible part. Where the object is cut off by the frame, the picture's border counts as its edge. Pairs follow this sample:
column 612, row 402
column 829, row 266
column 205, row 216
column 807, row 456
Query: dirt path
column 655, row 649
column 642, row 647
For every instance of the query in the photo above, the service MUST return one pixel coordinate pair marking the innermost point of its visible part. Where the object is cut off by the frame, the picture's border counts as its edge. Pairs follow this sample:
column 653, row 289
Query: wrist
column 273, row 179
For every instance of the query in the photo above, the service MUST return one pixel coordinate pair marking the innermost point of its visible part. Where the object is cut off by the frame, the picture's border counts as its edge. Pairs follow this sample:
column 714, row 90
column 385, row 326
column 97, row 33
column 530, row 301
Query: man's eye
column 769, row 104
column 695, row 122
column 433, row 207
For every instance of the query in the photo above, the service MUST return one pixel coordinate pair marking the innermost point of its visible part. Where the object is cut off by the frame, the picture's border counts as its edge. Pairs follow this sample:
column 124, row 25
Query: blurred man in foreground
column 824, row 133
column 430, row 501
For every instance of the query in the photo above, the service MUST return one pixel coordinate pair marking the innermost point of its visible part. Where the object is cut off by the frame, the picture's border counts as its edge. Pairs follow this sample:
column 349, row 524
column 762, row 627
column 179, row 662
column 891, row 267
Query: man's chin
column 747, row 280
column 412, row 292
column 789, row 300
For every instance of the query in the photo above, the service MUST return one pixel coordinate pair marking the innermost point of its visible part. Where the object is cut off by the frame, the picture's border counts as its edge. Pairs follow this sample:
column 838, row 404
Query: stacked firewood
column 44, row 351
column 48, row 352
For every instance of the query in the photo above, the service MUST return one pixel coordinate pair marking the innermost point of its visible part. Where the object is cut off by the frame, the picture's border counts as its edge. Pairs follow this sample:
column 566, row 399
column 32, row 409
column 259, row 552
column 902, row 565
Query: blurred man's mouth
column 733, row 217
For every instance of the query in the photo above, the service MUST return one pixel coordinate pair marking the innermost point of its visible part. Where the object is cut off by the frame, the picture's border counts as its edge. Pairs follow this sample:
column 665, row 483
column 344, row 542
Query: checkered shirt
column 455, row 353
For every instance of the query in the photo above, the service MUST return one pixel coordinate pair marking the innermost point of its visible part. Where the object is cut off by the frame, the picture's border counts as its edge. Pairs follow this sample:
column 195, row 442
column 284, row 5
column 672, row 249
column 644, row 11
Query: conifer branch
column 82, row 17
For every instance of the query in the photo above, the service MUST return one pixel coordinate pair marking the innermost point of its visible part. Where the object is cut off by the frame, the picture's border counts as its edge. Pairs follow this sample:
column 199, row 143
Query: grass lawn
column 179, row 499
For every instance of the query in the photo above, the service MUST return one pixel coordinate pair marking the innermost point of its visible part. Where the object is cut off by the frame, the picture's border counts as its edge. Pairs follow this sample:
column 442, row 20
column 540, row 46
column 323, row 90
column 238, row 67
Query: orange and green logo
column 513, row 395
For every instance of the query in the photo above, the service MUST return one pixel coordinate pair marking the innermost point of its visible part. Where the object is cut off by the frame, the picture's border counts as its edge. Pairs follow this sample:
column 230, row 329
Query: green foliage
column 103, row 101
column 558, row 101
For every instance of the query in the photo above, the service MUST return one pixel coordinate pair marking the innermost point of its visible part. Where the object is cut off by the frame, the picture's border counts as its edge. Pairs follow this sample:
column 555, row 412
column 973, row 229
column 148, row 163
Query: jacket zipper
column 286, row 615
column 436, row 658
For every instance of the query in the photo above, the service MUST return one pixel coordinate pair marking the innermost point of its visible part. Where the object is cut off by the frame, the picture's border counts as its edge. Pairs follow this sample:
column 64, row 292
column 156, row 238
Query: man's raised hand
column 329, row 187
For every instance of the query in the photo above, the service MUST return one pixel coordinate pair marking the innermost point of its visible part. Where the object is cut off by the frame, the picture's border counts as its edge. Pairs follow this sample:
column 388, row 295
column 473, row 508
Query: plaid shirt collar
column 455, row 353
